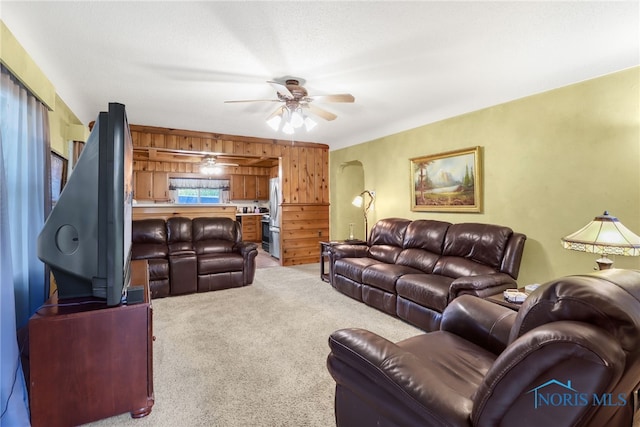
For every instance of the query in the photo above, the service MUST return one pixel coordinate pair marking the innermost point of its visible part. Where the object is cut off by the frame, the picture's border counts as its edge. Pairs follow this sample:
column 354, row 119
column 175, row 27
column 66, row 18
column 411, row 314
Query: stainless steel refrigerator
column 274, row 217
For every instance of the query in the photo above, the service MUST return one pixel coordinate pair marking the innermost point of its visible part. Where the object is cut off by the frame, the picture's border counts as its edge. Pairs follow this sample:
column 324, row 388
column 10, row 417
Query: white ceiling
column 407, row 63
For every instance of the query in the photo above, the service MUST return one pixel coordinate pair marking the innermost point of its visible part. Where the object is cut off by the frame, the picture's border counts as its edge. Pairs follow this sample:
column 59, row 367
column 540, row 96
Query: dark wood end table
column 324, row 254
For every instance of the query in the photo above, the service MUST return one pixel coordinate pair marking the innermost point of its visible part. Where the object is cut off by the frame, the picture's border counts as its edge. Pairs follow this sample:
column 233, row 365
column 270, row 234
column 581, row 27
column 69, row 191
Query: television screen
column 86, row 240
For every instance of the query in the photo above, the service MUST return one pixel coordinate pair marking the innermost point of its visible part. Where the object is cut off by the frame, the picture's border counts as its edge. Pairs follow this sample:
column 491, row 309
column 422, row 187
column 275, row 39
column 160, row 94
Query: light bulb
column 296, row 118
column 287, row 128
column 274, row 122
column 309, row 123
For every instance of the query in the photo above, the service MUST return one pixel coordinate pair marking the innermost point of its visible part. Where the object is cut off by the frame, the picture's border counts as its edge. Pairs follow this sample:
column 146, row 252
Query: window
column 199, row 191
column 198, row 195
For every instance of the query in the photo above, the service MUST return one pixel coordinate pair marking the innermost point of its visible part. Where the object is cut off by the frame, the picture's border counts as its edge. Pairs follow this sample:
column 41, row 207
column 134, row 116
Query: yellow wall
column 64, row 125
column 552, row 162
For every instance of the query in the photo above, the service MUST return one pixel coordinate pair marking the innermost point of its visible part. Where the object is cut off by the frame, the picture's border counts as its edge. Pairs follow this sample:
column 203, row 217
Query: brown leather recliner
column 570, row 357
column 182, row 256
column 196, row 255
column 149, row 241
column 224, row 260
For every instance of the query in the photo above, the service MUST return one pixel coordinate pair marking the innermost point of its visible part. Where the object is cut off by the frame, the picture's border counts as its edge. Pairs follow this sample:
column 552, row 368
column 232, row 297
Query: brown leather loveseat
column 569, row 357
column 414, row 269
column 198, row 255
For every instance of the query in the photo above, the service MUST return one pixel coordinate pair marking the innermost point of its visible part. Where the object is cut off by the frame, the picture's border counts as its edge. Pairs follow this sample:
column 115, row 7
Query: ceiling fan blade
column 278, row 112
column 340, row 97
column 320, row 112
column 282, row 89
column 253, row 100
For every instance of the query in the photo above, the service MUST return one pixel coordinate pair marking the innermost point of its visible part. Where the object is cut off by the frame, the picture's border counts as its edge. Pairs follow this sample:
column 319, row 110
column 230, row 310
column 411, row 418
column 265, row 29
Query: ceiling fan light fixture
column 274, row 122
column 288, row 128
column 309, row 123
column 296, row 120
column 209, row 167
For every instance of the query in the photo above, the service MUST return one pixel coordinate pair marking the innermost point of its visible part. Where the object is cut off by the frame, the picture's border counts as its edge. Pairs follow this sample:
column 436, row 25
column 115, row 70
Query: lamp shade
column 604, row 235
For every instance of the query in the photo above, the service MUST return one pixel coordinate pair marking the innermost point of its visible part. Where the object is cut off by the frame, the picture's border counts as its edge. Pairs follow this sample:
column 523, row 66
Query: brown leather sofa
column 198, row 255
column 414, row 269
column 569, row 357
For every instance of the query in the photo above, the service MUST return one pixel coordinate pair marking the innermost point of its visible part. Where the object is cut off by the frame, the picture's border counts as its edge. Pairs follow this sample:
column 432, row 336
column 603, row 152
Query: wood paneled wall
column 304, row 173
column 303, row 227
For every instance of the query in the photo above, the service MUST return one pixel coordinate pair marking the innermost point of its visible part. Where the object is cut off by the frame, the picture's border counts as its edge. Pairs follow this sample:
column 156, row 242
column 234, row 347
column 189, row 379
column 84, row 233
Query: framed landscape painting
column 447, row 182
column 58, row 176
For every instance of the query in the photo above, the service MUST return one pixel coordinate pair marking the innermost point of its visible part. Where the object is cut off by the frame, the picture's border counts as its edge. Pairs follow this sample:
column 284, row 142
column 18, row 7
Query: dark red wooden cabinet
column 89, row 362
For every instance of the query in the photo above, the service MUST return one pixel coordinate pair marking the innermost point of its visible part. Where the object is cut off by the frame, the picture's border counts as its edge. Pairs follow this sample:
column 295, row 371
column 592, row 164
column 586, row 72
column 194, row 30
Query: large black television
column 86, row 240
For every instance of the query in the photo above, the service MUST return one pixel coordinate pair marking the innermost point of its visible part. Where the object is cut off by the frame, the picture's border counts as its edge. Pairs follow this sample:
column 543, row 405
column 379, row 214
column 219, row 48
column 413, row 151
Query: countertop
column 182, row 205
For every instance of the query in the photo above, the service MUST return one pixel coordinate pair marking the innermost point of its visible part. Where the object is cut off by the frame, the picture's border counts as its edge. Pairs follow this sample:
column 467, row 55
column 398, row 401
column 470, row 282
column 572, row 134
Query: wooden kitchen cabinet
column 143, row 187
column 236, row 187
column 151, row 186
column 251, row 228
column 160, row 186
column 249, row 187
column 262, row 187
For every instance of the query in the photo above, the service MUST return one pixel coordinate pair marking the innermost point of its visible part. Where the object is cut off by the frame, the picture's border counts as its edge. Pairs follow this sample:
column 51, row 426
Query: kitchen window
column 199, row 191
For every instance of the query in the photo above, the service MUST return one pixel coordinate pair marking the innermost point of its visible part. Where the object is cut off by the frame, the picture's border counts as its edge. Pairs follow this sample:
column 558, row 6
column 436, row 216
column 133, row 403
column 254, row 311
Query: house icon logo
column 536, row 391
column 554, row 393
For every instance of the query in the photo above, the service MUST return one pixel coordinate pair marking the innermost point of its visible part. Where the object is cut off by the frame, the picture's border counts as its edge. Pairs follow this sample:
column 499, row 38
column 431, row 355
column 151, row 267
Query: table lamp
column 605, row 235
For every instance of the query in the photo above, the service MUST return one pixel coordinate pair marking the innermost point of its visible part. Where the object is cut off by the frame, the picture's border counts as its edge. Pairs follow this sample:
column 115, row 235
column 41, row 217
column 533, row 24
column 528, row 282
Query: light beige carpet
column 253, row 356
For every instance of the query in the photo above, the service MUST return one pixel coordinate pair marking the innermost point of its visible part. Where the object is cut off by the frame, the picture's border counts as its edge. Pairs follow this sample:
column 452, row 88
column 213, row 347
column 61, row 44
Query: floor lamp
column 359, row 201
column 605, row 235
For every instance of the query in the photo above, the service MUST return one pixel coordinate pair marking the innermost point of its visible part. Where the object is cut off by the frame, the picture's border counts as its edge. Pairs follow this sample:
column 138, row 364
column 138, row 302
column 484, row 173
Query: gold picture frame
column 447, row 182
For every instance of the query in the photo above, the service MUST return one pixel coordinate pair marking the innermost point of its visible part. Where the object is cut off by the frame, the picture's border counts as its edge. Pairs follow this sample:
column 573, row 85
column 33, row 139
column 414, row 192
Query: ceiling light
column 309, row 123
column 289, row 118
column 209, row 167
column 296, row 118
column 274, row 122
column 288, row 128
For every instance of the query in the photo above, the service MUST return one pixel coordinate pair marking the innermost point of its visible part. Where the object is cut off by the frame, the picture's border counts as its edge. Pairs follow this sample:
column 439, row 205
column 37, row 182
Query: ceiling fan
column 210, row 165
column 297, row 104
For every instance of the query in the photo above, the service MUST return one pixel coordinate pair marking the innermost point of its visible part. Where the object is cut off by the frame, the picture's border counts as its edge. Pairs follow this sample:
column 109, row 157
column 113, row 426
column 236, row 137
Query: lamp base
column 604, row 263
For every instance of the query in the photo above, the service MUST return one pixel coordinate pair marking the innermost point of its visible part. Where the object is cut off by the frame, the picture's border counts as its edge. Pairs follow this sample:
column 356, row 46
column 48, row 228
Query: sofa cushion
column 213, row 246
column 215, row 235
column 385, row 253
column 389, row 231
column 158, row 269
column 384, row 276
column 148, row 251
column 148, row 239
column 418, row 258
column 151, row 231
column 219, row 263
column 353, row 267
column 428, row 290
column 483, row 243
column 455, row 267
column 426, row 234
column 179, row 235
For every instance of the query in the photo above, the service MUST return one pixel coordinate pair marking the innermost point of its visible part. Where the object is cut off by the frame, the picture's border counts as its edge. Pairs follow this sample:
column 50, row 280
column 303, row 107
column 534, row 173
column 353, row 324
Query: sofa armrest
column 373, row 367
column 245, row 248
column 481, row 286
column 480, row 321
column 348, row 251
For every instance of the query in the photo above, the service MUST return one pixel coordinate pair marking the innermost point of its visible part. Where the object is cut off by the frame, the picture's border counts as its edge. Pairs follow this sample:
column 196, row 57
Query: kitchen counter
column 168, row 210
